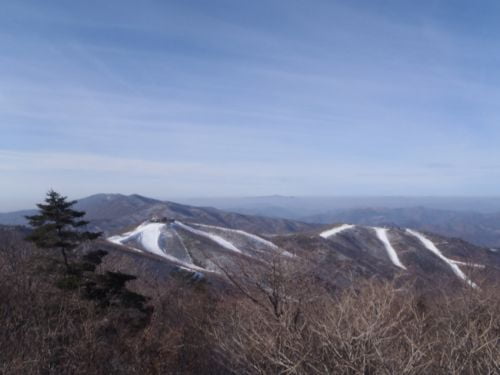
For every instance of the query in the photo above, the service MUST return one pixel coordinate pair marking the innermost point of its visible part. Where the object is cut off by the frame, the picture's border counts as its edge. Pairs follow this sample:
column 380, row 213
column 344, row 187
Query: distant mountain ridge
column 112, row 213
column 298, row 207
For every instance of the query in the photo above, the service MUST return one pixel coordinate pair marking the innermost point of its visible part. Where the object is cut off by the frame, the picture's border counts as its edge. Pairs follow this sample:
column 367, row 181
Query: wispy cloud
column 215, row 98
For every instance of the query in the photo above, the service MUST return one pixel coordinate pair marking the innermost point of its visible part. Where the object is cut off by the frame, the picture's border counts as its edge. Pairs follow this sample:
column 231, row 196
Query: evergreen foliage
column 59, row 226
column 107, row 289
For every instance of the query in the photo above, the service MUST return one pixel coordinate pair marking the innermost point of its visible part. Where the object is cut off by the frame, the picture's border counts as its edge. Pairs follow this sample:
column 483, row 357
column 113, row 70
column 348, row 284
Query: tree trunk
column 65, row 257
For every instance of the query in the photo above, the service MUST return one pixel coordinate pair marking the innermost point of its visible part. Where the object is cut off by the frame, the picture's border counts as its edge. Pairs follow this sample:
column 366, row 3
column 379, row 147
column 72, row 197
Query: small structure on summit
column 161, row 219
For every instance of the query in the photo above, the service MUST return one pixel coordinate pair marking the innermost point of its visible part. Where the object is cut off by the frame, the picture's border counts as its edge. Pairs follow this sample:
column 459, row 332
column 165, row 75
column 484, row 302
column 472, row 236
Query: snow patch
column 253, row 237
column 215, row 238
column 331, row 232
column 148, row 235
column 243, row 233
column 468, row 264
column 433, row 248
column 391, row 252
column 119, row 239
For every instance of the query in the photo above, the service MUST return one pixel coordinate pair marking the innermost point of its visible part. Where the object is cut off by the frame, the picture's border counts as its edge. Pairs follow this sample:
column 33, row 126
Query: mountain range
column 339, row 253
column 475, row 219
column 210, row 243
column 113, row 212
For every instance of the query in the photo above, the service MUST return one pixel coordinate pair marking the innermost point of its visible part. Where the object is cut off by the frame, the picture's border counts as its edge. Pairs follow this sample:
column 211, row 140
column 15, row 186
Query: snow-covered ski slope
column 215, row 238
column 243, row 233
column 250, row 243
column 158, row 239
column 383, row 236
column 146, row 233
column 391, row 252
column 201, row 247
column 432, row 247
column 148, row 236
column 466, row 264
column 336, row 230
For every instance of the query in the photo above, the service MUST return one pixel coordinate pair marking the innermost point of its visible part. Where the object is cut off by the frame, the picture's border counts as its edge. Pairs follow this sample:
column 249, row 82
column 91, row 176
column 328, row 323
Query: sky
column 178, row 98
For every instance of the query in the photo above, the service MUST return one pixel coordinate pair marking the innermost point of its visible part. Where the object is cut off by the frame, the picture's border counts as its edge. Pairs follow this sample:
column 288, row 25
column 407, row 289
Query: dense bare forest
column 292, row 325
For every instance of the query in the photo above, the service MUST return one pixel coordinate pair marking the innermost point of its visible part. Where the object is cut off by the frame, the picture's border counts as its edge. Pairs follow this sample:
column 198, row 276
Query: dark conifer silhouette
column 57, row 226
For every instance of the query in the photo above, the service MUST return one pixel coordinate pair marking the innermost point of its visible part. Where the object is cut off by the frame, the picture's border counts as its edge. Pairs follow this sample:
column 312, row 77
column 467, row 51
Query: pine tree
column 58, row 226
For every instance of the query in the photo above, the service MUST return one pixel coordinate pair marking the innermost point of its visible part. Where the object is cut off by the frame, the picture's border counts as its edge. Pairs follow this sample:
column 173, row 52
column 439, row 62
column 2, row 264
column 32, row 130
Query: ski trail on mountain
column 150, row 238
column 119, row 239
column 183, row 245
column 433, row 248
column 215, row 238
column 331, row 232
column 148, row 234
column 391, row 252
column 243, row 233
column 475, row 265
column 253, row 237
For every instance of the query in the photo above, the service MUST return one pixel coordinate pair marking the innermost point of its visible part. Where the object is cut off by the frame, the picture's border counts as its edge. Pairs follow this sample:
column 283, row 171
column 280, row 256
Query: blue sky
column 226, row 98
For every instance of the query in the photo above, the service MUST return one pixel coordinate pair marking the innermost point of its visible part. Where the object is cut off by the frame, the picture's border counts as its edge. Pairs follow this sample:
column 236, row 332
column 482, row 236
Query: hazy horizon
column 226, row 98
column 306, row 203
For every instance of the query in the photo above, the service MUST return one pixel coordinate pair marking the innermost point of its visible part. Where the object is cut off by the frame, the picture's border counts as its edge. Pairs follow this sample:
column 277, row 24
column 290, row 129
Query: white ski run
column 391, row 252
column 433, row 248
column 336, row 230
